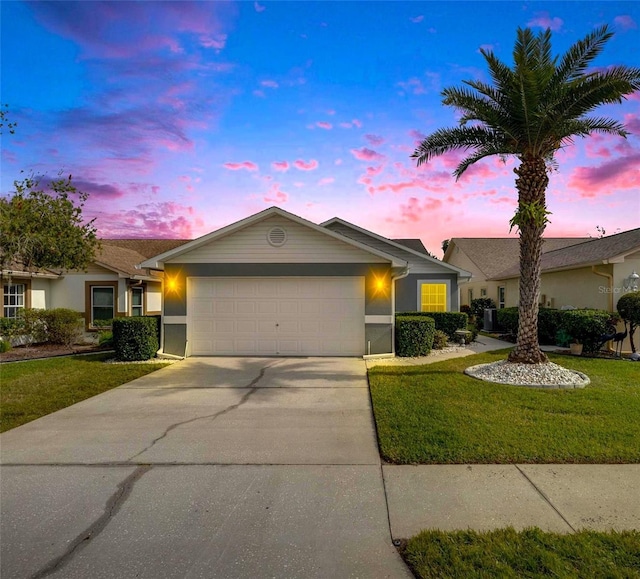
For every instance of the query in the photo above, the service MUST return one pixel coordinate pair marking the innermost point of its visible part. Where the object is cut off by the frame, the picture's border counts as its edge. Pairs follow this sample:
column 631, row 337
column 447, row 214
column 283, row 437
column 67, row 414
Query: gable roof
column 611, row 249
column 493, row 255
column 394, row 245
column 157, row 262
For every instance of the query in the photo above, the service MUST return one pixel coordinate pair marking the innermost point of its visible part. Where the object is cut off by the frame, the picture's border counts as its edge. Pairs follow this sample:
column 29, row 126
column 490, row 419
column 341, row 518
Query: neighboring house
column 591, row 274
column 486, row 257
column 277, row 284
column 113, row 285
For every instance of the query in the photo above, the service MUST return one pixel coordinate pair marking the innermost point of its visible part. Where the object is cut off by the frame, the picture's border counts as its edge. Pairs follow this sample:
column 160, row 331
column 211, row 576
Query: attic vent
column 277, row 236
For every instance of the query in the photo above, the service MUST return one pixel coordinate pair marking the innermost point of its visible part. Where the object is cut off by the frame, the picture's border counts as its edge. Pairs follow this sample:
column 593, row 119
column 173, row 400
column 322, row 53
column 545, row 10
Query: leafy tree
column 445, row 245
column 44, row 228
column 4, row 120
column 629, row 310
column 529, row 112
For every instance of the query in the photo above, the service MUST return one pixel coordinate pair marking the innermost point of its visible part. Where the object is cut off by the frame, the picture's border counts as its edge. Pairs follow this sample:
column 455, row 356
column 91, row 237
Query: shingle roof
column 124, row 254
column 146, row 247
column 591, row 252
column 493, row 255
column 415, row 244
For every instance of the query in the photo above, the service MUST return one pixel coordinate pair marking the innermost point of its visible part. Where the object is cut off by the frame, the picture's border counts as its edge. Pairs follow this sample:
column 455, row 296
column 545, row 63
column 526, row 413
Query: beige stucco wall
column 154, row 297
column 40, row 292
column 70, row 292
column 491, row 288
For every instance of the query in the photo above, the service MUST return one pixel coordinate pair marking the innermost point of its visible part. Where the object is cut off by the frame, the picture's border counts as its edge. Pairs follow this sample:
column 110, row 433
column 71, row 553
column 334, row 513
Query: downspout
column 610, row 292
column 402, row 275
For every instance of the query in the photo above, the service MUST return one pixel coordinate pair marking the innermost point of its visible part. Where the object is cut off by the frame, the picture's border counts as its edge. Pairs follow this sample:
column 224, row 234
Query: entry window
column 137, row 304
column 102, row 304
column 13, row 299
column 433, row 297
column 483, row 292
column 501, row 294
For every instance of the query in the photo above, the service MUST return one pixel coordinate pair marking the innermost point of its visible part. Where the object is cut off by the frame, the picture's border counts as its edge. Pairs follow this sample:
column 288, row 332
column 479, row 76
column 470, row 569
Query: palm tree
column 531, row 111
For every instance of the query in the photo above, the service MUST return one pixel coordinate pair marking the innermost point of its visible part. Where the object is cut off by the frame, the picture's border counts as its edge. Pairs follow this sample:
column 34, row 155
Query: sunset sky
column 181, row 117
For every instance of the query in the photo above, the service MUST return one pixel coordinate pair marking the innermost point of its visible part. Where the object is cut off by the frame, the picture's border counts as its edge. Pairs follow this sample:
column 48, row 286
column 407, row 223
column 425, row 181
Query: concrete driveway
column 211, row 467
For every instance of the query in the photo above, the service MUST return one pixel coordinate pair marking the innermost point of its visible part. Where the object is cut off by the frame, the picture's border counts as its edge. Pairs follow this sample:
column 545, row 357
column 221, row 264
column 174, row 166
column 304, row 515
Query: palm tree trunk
column 531, row 183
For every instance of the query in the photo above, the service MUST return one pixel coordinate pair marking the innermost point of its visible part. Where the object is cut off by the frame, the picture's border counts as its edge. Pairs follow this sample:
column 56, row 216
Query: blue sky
column 181, row 117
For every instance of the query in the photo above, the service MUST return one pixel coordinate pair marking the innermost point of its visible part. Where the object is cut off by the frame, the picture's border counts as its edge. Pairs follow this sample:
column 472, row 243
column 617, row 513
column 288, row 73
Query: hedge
column 586, row 326
column 447, row 322
column 135, row 339
column 414, row 335
column 57, row 326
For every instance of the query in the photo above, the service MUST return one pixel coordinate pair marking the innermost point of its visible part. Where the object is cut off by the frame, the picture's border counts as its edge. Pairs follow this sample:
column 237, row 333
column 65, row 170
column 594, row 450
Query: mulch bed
column 47, row 351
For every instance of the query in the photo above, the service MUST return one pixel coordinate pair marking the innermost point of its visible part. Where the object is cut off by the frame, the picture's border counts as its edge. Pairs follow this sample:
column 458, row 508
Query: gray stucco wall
column 379, row 337
column 407, row 291
column 175, row 339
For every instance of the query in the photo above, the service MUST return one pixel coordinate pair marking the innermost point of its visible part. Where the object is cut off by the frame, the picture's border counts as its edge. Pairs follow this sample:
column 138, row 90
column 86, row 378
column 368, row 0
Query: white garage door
column 307, row 316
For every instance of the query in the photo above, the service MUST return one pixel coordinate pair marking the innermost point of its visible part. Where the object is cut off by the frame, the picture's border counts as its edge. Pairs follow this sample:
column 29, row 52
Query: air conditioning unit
column 490, row 320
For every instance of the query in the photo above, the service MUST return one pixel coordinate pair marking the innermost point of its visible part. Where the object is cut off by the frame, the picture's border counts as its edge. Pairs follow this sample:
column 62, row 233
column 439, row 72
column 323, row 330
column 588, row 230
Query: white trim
column 157, row 262
column 174, row 320
column 378, row 319
column 461, row 272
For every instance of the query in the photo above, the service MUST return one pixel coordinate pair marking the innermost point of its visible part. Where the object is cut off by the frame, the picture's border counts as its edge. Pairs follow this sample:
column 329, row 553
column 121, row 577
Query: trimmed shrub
column 5, row 346
column 414, row 335
column 33, row 326
column 508, row 320
column 586, row 326
column 447, row 322
column 474, row 333
column 105, row 339
column 465, row 309
column 63, row 326
column 549, row 323
column 440, row 340
column 135, row 339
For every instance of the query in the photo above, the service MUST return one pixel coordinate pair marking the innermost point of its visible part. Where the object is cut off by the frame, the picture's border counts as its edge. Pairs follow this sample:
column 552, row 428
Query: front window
column 483, row 292
column 137, row 303
column 102, row 304
column 501, row 294
column 14, row 295
column 433, row 297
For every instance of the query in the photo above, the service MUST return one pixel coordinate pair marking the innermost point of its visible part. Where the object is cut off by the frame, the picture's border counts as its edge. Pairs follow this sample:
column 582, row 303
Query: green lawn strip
column 434, row 414
column 529, row 553
column 29, row 390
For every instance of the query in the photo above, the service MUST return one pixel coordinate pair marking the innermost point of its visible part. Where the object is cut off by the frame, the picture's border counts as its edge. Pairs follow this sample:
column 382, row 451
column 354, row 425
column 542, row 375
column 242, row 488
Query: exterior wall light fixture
column 631, row 283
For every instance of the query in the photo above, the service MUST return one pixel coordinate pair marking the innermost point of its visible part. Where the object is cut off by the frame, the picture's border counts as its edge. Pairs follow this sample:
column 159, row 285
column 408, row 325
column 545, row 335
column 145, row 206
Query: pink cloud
column 414, row 210
column 167, row 220
column 356, row 123
column 305, row 165
column 374, row 140
column 248, row 165
column 632, row 123
column 417, row 19
column 282, row 166
column 625, row 22
column 331, row 112
column 417, row 136
column 621, row 173
column 324, row 125
column 372, row 171
column 326, row 181
column 259, row 93
column 346, row 125
column 365, row 154
column 413, row 85
column 270, row 83
column 543, row 20
column 275, row 195
column 259, row 7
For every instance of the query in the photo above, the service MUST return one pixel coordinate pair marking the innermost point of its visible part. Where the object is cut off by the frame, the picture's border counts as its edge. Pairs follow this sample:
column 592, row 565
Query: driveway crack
column 252, row 388
column 112, row 507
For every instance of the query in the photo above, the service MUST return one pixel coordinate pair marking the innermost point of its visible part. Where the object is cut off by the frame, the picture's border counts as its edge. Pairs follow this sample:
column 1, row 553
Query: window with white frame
column 483, row 292
column 501, row 295
column 102, row 304
column 14, row 299
column 137, row 301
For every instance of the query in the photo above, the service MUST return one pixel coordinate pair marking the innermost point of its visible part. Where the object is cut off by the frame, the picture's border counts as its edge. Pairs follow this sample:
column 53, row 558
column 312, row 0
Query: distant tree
column 602, row 232
column 44, row 228
column 4, row 120
column 530, row 112
column 445, row 245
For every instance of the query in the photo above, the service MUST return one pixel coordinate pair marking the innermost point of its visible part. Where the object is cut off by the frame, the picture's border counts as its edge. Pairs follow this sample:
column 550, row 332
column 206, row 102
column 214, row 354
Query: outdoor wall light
column 631, row 283
column 172, row 284
column 379, row 285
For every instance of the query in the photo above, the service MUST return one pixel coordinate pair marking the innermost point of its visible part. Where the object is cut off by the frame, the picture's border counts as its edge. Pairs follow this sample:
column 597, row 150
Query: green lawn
column 29, row 390
column 530, row 553
column 434, row 414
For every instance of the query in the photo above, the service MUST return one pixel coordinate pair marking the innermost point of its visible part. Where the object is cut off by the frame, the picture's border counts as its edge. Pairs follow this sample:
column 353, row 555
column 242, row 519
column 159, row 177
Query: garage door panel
column 280, row 316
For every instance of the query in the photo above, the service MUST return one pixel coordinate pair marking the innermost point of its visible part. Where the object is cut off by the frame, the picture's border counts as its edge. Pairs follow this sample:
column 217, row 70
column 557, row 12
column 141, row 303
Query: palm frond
column 445, row 140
